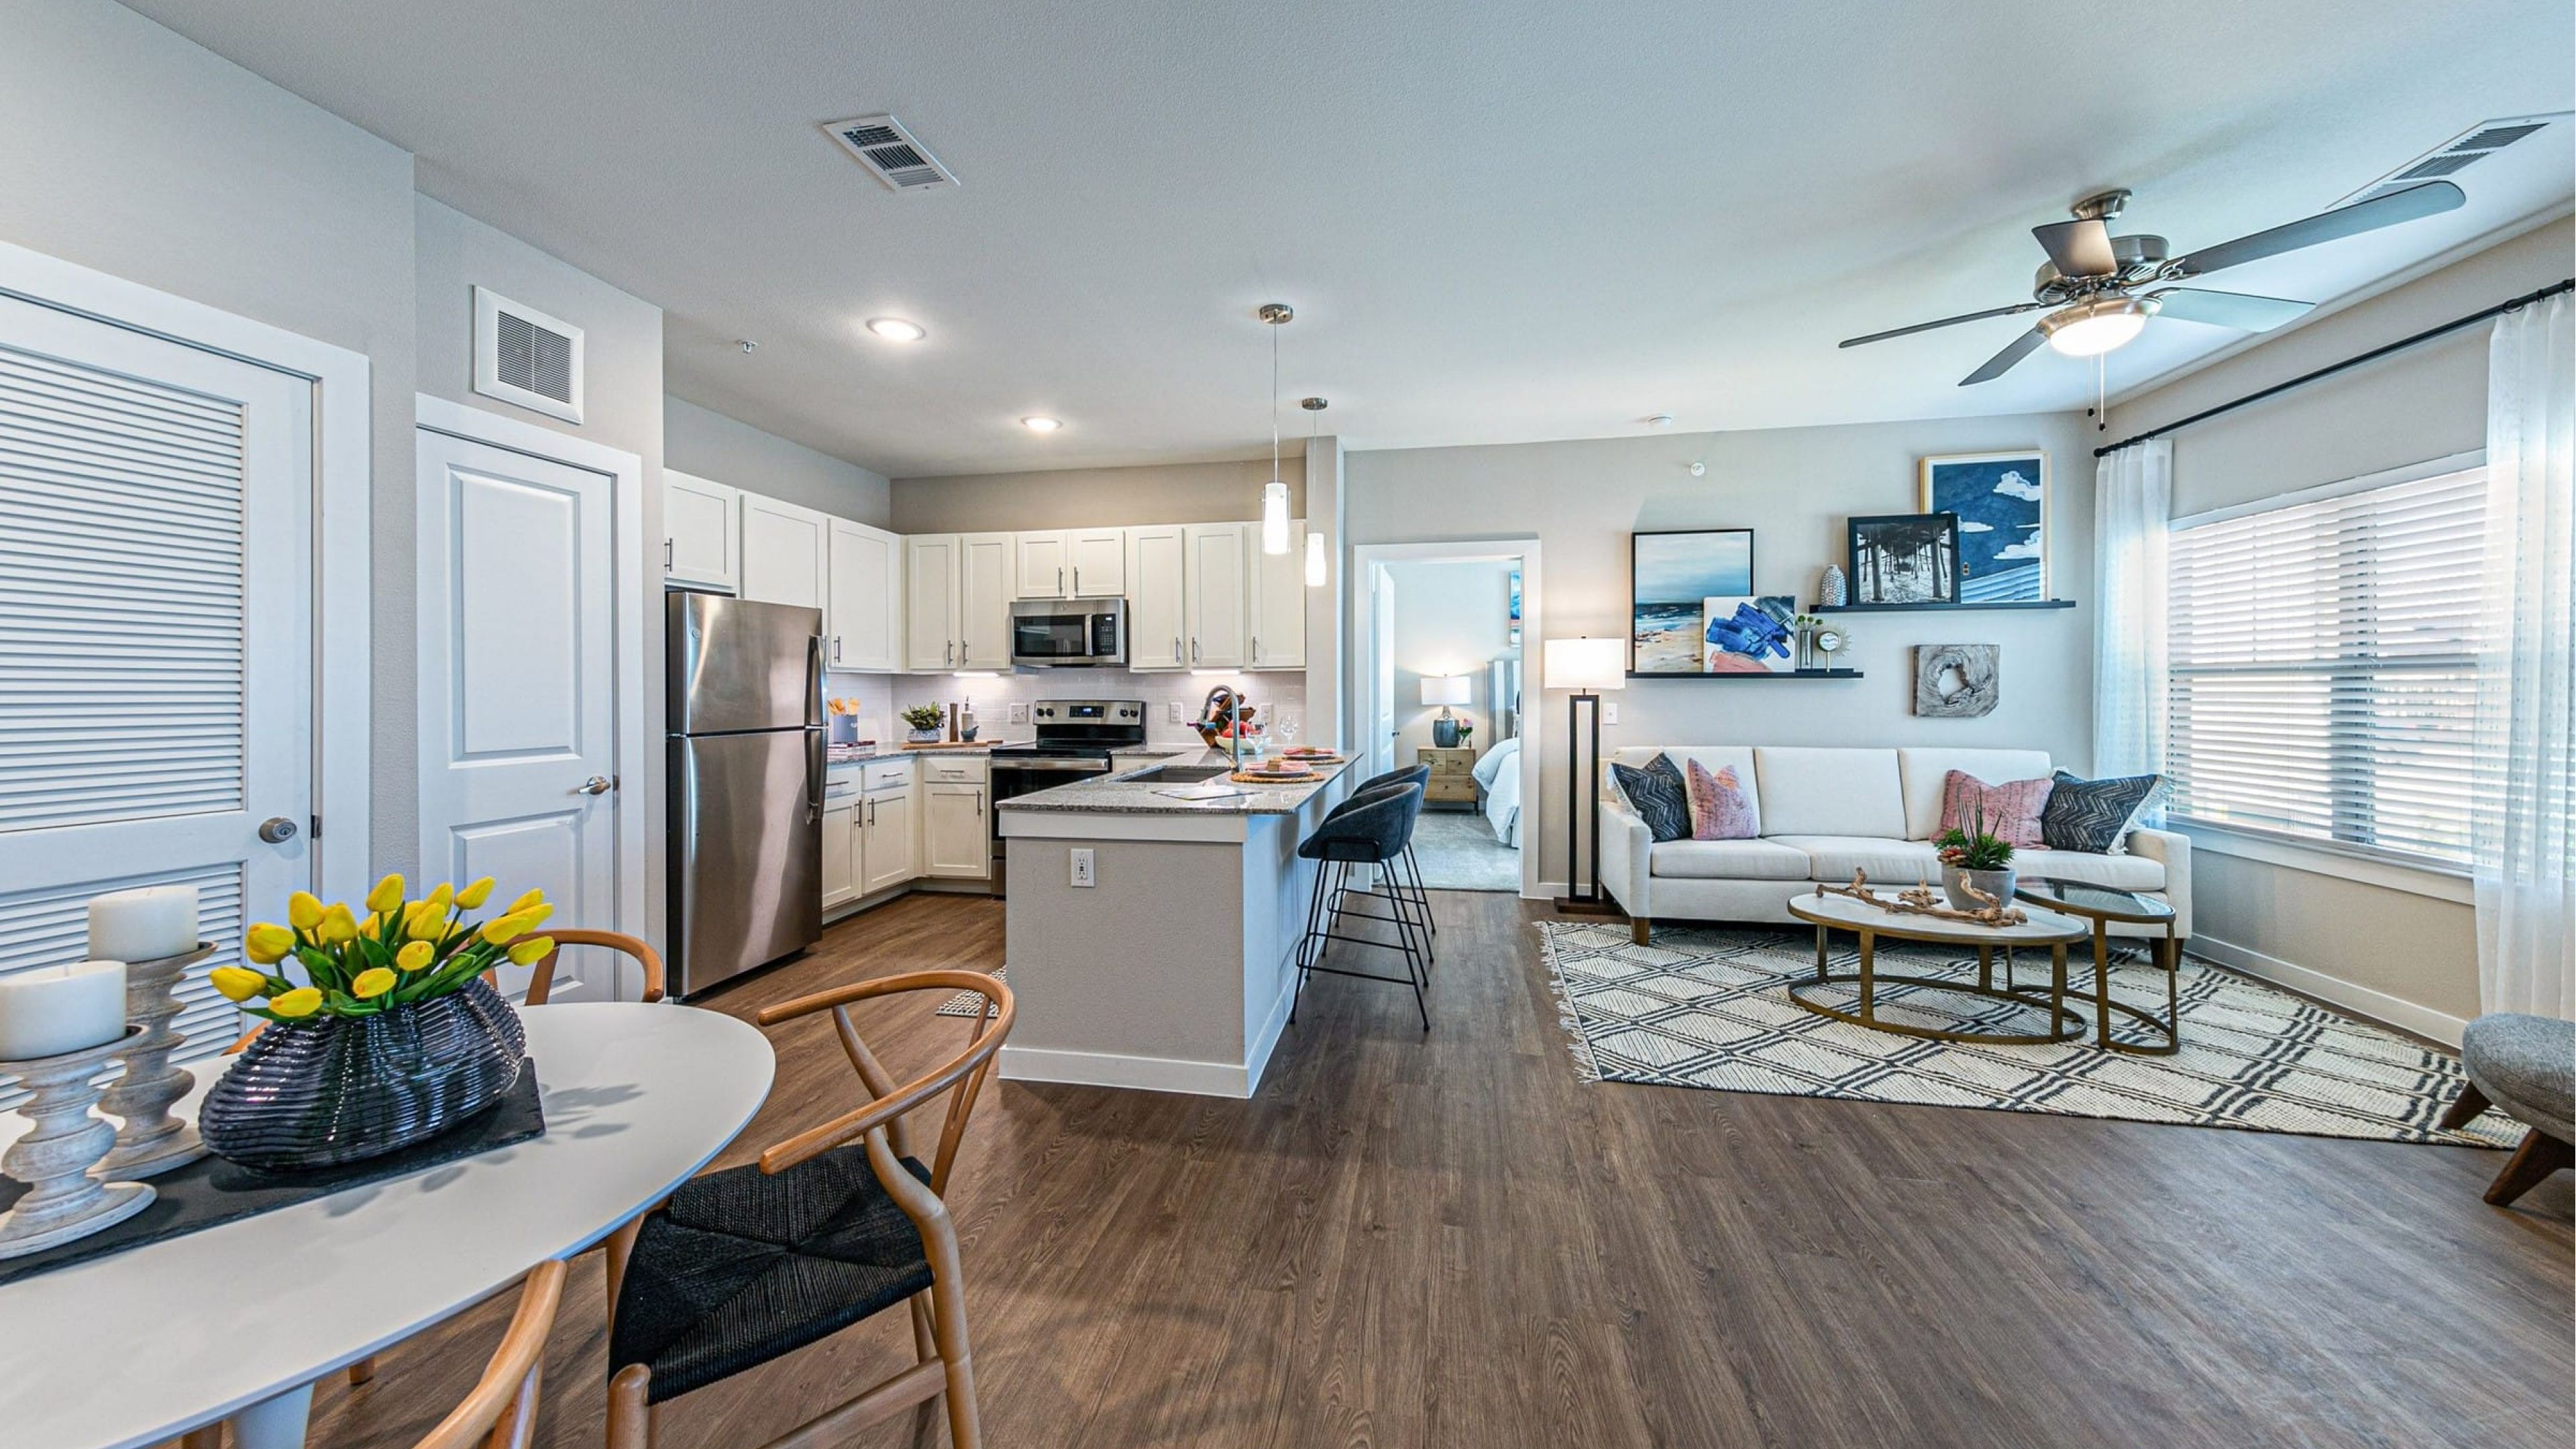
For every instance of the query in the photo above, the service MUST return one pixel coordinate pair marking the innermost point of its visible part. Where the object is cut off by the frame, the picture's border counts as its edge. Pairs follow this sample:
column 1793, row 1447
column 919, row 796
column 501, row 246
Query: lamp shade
column 1587, row 663
column 1444, row 689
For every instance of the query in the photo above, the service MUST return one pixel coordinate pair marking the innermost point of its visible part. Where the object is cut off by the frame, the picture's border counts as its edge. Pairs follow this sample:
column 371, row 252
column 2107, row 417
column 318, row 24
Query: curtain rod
column 2374, row 354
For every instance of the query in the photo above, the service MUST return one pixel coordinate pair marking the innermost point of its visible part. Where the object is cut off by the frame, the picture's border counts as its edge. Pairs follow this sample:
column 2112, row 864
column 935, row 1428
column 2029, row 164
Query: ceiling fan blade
column 2241, row 310
column 2080, row 248
column 1944, row 322
column 2430, row 199
column 2002, row 362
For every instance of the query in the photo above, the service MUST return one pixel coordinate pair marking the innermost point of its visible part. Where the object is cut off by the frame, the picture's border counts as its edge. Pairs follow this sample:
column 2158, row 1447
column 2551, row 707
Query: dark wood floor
column 1452, row 1241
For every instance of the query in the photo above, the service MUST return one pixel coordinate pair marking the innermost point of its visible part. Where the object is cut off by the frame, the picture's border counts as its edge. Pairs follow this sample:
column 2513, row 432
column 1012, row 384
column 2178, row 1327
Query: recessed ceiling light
column 1040, row 425
column 1660, row 420
column 895, row 329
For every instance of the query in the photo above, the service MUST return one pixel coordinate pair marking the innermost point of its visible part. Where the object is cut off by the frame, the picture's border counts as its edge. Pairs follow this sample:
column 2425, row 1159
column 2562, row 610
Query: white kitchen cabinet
column 1157, row 611
column 785, row 552
column 701, row 533
column 863, row 609
column 841, row 847
column 984, row 600
column 930, row 601
column 956, row 831
column 1277, row 604
column 1098, row 560
column 1216, row 592
column 1044, row 564
column 889, row 851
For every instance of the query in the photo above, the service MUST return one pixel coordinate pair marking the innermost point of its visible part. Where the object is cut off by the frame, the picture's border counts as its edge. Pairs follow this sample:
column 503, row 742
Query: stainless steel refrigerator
column 745, row 714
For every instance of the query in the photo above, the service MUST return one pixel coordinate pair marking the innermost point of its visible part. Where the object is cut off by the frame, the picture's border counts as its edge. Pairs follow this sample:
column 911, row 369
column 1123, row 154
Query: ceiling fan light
column 1274, row 517
column 2089, row 329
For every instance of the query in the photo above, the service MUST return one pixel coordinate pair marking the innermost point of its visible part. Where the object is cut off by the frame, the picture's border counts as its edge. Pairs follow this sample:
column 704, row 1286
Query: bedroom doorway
column 1446, row 632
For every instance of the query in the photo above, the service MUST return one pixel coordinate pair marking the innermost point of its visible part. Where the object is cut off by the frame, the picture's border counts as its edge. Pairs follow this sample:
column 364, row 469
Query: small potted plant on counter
column 925, row 720
column 1974, row 860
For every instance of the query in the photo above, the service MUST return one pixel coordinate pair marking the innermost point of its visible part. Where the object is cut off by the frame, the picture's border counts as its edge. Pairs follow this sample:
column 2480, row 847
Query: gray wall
column 711, row 445
column 1450, row 618
column 137, row 153
column 1794, row 487
column 1089, row 497
column 2428, row 402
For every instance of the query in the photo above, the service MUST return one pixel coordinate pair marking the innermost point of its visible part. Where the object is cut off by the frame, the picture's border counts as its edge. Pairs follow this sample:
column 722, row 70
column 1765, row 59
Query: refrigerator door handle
column 814, row 681
column 815, row 773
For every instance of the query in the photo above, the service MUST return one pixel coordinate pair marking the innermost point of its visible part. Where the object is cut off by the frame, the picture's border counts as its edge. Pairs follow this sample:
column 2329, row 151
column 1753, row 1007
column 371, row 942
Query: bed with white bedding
column 1499, row 772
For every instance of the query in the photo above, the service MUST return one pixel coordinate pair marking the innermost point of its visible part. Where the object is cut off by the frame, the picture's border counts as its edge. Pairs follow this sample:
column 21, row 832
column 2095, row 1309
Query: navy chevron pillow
column 2094, row 815
column 1658, row 795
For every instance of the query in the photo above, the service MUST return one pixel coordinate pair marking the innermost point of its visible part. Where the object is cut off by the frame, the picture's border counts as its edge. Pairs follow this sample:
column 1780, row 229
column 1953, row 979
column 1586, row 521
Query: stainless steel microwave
column 1068, row 633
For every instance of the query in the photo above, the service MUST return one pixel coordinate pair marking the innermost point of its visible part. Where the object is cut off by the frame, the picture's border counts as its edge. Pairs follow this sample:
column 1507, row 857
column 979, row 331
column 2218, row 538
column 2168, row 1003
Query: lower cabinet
column 956, row 831
column 841, row 850
column 889, row 851
column 871, row 835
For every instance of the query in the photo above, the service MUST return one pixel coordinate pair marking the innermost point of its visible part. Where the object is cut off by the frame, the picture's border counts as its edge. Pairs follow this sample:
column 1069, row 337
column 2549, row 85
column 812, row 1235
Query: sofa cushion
column 1889, row 861
column 2094, row 814
column 2119, row 872
column 1923, row 769
column 1711, row 758
column 1728, row 860
column 1810, row 791
column 2009, row 812
column 1657, row 795
column 1719, row 808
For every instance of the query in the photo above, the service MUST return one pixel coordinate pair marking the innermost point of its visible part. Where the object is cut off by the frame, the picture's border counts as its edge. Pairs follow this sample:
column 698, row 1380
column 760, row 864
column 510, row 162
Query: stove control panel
column 1088, row 712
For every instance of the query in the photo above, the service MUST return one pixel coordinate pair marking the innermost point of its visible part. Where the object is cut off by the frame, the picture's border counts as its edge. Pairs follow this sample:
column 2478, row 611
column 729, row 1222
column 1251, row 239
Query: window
column 2324, row 673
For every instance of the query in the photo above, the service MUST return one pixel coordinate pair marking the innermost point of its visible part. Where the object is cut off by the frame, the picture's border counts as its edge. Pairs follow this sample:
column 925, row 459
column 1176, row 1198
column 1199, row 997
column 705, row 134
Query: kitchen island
column 1173, row 969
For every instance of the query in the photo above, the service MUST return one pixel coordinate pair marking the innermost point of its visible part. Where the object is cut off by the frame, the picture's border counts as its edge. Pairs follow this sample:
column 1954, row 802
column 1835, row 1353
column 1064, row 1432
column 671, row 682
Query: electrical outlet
column 1082, row 867
column 1609, row 713
column 1175, row 711
column 1019, row 711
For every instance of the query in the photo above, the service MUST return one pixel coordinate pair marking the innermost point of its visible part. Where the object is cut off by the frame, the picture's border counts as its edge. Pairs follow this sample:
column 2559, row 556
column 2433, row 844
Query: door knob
column 595, row 785
column 277, row 830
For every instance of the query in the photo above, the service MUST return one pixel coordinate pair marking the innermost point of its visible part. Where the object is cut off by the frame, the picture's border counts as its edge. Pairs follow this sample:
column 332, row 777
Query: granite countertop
column 1122, row 793
column 861, row 754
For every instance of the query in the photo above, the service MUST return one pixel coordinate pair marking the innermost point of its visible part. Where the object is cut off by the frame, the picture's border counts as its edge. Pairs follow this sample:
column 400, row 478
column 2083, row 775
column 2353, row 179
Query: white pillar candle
column 144, row 924
column 49, row 1010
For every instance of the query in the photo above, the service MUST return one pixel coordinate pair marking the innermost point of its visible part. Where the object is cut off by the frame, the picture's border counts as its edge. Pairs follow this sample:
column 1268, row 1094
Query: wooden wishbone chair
column 667, row 1339
column 501, row 1410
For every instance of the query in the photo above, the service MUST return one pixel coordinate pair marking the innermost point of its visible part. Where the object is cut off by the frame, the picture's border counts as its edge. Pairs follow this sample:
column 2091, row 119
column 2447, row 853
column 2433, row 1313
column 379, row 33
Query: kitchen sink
column 1185, row 774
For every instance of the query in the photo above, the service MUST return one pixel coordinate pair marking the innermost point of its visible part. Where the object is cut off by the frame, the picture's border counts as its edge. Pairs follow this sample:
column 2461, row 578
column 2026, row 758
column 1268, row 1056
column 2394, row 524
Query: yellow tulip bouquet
column 404, row 952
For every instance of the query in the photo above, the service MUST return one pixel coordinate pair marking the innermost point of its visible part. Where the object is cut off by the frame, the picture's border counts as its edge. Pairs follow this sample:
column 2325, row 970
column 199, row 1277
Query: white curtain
column 2524, row 841
column 2132, row 513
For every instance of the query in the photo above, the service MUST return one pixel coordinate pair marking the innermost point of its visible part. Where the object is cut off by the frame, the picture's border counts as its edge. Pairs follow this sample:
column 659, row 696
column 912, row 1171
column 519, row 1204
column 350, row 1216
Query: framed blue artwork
column 2002, row 503
column 1671, row 578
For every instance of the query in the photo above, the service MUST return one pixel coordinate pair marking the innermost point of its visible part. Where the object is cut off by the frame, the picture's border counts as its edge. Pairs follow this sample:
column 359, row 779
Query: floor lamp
column 1585, row 666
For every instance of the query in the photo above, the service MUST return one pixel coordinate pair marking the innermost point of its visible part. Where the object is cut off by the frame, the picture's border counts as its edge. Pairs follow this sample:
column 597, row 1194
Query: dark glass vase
column 333, row 1090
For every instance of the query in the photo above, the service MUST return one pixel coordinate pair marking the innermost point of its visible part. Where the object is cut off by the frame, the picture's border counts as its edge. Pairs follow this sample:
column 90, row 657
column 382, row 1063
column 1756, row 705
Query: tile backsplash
column 878, row 696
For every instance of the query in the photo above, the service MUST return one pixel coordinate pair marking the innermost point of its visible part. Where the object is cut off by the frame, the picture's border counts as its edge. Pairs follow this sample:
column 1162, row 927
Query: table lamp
column 1444, row 690
column 1586, row 666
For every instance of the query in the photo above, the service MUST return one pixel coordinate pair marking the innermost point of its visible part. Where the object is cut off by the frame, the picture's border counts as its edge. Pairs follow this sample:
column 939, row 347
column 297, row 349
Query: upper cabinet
column 984, row 600
column 930, row 601
column 785, row 552
column 863, row 612
column 1157, row 610
column 701, row 537
column 957, row 600
column 1045, row 566
column 1070, row 563
column 1216, row 593
column 1277, row 606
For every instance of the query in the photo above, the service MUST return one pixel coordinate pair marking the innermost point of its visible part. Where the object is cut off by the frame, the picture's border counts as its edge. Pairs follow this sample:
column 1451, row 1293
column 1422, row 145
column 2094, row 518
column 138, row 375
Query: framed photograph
column 1671, row 578
column 1905, row 558
column 1748, row 634
column 1516, row 599
column 2001, row 500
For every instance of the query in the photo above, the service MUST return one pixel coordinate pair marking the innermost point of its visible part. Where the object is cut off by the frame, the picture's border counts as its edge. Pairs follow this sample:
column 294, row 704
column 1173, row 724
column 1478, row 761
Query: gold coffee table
column 2044, row 928
column 2100, row 906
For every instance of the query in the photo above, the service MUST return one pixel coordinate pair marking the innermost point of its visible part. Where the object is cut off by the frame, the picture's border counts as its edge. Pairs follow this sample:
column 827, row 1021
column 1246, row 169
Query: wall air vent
column 524, row 357
column 894, row 154
column 2456, row 155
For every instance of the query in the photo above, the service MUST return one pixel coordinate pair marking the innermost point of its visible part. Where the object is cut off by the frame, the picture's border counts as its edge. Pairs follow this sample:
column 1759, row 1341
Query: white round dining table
column 237, row 1322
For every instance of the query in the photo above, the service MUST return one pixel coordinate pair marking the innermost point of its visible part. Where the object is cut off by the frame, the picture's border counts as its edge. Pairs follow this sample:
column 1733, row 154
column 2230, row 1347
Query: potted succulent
column 390, row 1037
column 1973, row 857
column 925, row 720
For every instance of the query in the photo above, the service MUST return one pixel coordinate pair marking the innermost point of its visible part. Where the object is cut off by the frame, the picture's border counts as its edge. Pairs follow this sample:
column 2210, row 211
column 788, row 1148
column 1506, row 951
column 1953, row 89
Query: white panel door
column 1382, row 664
column 930, row 601
column 1217, row 593
column 1044, row 567
column 156, row 638
column 1157, row 611
column 984, row 600
column 785, row 553
column 701, row 526
column 1278, row 604
column 863, row 620
column 518, row 704
column 1099, row 561
column 891, row 855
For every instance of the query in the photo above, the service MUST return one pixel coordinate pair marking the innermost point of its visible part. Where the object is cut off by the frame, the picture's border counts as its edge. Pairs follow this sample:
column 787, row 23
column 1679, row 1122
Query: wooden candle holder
column 65, row 1139
column 152, row 1140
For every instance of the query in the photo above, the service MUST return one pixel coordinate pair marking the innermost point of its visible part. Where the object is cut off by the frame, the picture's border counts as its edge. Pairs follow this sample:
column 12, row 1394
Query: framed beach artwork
column 2002, row 503
column 1748, row 634
column 1671, row 578
column 1514, row 623
column 1905, row 558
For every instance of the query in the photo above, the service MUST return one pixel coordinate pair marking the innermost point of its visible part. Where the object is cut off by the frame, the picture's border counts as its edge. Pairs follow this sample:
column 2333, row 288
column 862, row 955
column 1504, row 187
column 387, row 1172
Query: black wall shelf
column 1761, row 674
column 1922, row 608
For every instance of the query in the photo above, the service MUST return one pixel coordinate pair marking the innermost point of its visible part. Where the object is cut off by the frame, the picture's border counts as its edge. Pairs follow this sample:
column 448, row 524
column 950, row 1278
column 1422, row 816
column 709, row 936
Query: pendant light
column 1315, row 559
column 1274, row 494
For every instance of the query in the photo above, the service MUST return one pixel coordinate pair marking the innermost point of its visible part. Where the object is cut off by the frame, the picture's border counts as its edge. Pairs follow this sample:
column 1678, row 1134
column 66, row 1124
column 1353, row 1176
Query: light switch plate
column 1082, row 867
column 1609, row 713
column 1019, row 711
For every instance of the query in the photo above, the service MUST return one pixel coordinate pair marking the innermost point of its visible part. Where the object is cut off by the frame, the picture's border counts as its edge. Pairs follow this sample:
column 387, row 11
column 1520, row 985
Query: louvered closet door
column 155, row 636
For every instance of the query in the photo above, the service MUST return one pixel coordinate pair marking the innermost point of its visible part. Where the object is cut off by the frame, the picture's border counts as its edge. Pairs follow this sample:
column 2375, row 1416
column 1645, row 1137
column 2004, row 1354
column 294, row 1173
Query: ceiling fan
column 2093, row 285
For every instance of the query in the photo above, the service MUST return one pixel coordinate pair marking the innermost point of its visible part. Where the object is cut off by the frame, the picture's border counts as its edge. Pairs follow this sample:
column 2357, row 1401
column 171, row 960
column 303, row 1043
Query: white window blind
column 2324, row 668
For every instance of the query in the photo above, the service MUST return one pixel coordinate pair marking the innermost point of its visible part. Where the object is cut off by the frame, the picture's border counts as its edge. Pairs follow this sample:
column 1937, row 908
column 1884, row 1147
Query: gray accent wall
column 1095, row 497
column 711, row 445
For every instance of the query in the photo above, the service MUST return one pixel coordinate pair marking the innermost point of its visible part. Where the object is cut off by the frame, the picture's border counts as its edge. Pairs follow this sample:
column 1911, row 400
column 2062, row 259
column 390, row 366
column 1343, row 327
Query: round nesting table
column 2100, row 906
column 238, row 1321
column 1870, row 923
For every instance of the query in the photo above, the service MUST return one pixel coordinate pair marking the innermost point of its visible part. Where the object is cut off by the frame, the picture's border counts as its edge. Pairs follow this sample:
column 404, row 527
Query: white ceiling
column 1499, row 221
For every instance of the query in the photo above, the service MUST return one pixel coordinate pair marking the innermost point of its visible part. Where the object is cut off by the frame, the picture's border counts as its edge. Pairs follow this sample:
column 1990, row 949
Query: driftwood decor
column 1920, row 901
column 1956, row 681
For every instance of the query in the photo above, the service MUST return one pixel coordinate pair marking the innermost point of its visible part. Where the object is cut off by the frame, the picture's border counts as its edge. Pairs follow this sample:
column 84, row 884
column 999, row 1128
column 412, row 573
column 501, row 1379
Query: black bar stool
column 1399, row 892
column 1365, row 831
column 1409, row 775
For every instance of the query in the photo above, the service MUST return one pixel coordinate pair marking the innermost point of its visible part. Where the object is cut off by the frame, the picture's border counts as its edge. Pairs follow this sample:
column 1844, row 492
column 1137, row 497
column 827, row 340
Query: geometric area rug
column 1710, row 1008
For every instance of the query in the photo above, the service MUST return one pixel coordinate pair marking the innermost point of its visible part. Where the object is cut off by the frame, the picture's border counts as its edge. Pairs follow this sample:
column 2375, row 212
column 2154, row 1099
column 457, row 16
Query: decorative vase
column 1444, row 734
column 337, row 1089
column 1997, row 883
column 1836, row 590
column 923, row 737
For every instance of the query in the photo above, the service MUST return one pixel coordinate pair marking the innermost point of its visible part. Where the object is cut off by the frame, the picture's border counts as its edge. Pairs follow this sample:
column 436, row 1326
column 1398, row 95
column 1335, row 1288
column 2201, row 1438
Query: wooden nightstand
column 1453, row 775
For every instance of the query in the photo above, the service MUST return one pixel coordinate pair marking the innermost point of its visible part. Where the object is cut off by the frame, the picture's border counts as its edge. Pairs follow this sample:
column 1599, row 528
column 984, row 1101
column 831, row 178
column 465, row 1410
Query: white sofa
column 1821, row 813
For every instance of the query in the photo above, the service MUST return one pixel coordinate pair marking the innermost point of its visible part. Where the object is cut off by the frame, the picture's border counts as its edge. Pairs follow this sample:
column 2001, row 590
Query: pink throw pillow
column 2011, row 811
column 1719, row 810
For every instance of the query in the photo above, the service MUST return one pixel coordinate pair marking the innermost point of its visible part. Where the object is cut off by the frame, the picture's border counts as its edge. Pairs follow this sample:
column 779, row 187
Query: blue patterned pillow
column 1659, row 796
column 2094, row 815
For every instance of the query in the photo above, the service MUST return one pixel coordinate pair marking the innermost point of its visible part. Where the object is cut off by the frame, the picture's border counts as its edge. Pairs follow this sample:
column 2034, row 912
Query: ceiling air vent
column 2454, row 156
column 525, row 357
column 896, row 156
